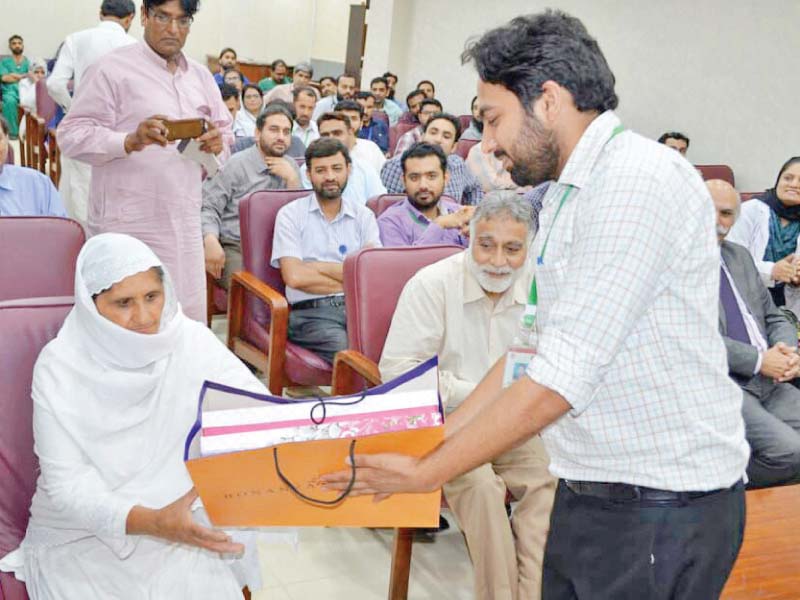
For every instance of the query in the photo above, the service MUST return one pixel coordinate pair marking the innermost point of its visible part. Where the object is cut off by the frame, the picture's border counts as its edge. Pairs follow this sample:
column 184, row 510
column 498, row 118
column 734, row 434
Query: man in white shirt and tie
column 79, row 51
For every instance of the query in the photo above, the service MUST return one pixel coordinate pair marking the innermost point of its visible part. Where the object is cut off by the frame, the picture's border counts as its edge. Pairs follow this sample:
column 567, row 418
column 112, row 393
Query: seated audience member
column 363, row 182
column 475, row 129
column 769, row 227
column 25, row 192
column 231, row 98
column 278, row 76
column 27, row 89
column 488, row 169
column 391, row 81
column 424, row 217
column 263, row 166
column 13, row 69
column 379, row 87
column 364, row 150
column 244, row 124
column 676, row 141
column 427, row 108
column 233, row 78
column 345, row 90
column 371, row 129
column 427, row 88
column 313, row 235
column 227, row 60
column 466, row 309
column 301, row 78
column 442, row 130
column 296, row 147
column 304, row 99
column 114, row 395
column 762, row 354
column 414, row 103
column 327, row 86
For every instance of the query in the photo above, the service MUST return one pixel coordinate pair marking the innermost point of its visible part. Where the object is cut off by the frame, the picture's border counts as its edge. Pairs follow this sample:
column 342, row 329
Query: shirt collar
column 256, row 158
column 586, row 153
column 6, row 182
column 160, row 61
column 345, row 210
column 444, row 208
column 111, row 25
column 518, row 294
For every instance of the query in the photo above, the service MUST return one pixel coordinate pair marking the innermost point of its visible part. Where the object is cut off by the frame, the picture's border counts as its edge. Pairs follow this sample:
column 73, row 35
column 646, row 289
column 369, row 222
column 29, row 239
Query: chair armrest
column 349, row 364
column 244, row 281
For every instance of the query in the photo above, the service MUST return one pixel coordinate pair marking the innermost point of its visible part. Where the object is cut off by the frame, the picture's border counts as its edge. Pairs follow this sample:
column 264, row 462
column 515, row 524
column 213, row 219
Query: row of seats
column 39, row 148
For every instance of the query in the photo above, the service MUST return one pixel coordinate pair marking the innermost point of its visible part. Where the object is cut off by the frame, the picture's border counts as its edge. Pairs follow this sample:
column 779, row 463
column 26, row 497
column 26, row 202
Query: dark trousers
column 322, row 330
column 600, row 549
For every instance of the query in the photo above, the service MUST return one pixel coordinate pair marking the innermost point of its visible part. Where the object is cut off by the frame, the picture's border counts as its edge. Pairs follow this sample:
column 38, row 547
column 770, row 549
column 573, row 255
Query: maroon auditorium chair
column 464, row 146
column 38, row 256
column 396, row 132
column 465, row 121
column 30, row 324
column 750, row 195
column 378, row 204
column 371, row 300
column 45, row 105
column 258, row 313
column 723, row 172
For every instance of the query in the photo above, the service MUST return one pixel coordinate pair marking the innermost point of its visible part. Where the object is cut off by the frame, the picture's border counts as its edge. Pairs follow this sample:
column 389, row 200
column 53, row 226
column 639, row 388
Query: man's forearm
column 518, row 413
column 330, row 269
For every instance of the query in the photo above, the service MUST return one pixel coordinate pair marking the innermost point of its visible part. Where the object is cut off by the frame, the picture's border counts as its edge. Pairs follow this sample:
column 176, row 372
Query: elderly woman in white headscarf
column 115, row 395
column 27, row 88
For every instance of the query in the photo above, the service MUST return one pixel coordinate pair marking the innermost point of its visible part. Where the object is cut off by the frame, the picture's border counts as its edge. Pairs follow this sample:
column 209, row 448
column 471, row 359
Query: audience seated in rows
column 466, row 310
column 442, row 130
column 244, row 122
column 304, row 100
column 263, row 166
column 362, row 149
column 233, row 78
column 424, row 217
column 413, row 104
column 13, row 69
column 363, row 182
column 371, row 129
column 227, row 60
column 345, row 90
column 675, row 140
column 27, row 89
column 427, row 108
column 301, row 78
column 25, row 192
column 278, row 76
column 231, row 97
column 313, row 235
column 475, row 129
column 379, row 86
column 769, row 227
column 327, row 86
column 761, row 344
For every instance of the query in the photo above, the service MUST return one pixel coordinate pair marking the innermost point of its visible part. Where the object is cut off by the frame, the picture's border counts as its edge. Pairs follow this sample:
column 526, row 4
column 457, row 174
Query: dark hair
column 430, row 101
column 364, row 95
column 675, row 135
column 278, row 61
column 348, row 76
column 224, row 50
column 333, row 116
column 274, row 108
column 379, row 80
column 228, row 91
column 413, row 93
column 786, row 165
column 306, row 89
column 15, row 37
column 429, row 82
column 350, row 105
column 190, row 7
column 447, row 116
column 117, row 8
column 552, row 45
column 325, row 147
column 471, row 104
column 251, row 86
column 321, row 79
column 421, row 150
column 233, row 70
column 286, row 105
column 390, row 74
column 4, row 125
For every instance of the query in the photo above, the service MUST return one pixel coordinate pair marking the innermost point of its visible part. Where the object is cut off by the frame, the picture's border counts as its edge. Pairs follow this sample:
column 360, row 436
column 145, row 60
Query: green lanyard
column 533, row 296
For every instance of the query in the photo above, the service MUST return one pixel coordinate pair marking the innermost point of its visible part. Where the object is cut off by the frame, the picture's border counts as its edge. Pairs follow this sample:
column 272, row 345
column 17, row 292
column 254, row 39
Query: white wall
column 722, row 71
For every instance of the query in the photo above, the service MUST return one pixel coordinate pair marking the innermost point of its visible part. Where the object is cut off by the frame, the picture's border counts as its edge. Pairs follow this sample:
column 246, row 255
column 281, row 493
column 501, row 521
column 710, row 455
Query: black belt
column 319, row 302
column 627, row 492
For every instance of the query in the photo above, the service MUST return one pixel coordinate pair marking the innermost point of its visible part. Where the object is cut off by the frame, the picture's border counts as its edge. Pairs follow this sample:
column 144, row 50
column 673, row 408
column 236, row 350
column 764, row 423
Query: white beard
column 489, row 283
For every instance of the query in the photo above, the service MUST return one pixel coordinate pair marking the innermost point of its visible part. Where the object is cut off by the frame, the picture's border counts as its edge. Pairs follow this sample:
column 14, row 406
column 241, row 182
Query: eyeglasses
column 164, row 20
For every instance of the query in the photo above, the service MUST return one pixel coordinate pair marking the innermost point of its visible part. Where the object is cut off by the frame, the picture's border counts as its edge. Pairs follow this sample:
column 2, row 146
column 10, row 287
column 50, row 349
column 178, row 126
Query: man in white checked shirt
column 629, row 385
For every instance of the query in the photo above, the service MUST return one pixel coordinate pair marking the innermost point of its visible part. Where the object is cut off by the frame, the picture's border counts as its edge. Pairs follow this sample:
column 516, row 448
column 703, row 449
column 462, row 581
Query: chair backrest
column 35, row 131
column 10, row 155
column 38, row 256
column 379, row 115
column 31, row 325
column 396, row 132
column 257, row 214
column 54, row 158
column 45, row 105
column 465, row 121
column 378, row 204
column 723, row 172
column 371, row 296
column 750, row 195
column 464, row 146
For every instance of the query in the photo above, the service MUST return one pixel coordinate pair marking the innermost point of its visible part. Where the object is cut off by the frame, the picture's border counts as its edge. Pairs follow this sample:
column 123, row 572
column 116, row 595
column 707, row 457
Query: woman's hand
column 785, row 270
column 174, row 523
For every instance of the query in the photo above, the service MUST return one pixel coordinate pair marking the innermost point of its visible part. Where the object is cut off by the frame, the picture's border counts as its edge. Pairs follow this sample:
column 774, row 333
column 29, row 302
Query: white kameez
column 112, row 409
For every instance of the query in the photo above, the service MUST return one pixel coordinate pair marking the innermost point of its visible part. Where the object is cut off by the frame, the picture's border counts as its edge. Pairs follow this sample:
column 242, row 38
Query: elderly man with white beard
column 466, row 309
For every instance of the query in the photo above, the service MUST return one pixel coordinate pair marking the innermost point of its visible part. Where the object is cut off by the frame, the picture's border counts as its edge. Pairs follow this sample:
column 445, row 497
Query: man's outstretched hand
column 382, row 475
